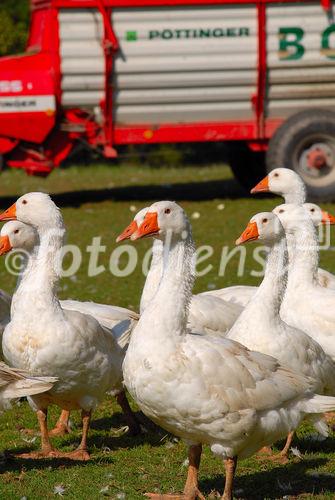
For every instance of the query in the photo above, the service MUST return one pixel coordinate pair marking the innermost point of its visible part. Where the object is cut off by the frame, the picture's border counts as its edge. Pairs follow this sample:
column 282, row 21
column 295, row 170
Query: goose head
column 281, row 181
column 293, row 217
column 318, row 215
column 164, row 219
column 133, row 226
column 36, row 209
column 17, row 235
column 265, row 227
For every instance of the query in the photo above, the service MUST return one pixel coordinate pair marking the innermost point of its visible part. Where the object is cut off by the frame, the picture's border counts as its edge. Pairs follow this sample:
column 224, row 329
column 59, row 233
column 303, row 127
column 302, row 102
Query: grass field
column 97, row 201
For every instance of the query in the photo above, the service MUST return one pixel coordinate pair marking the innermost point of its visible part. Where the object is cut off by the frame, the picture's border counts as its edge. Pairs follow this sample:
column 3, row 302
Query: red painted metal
column 38, row 141
column 162, row 3
column 261, row 77
column 196, row 132
column 326, row 4
column 111, row 45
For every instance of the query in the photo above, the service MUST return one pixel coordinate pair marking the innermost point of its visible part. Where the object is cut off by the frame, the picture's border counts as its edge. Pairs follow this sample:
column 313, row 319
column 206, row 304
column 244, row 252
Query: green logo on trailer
column 291, row 45
column 131, row 36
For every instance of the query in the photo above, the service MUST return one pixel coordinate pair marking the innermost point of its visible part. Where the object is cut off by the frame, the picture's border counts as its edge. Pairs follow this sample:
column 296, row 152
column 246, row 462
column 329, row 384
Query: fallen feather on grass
column 119, row 431
column 59, row 490
column 104, row 490
column 296, row 452
column 169, row 445
column 284, row 486
column 106, row 449
column 29, row 440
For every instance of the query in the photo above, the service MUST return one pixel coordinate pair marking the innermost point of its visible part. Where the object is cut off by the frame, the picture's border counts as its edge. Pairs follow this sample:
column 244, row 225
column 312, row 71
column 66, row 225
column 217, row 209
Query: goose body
column 260, row 326
column 116, row 321
column 201, row 388
column 44, row 338
column 306, row 305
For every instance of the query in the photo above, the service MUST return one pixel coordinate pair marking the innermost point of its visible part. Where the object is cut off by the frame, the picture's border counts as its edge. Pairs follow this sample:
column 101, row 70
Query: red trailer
column 259, row 75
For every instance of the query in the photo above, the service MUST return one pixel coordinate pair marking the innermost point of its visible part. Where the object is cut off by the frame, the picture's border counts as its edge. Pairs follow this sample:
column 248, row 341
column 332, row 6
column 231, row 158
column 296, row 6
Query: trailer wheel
column 247, row 166
column 306, row 144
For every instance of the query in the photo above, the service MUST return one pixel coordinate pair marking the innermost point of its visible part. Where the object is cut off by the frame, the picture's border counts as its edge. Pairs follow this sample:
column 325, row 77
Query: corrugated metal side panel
column 82, row 57
column 304, row 82
column 182, row 77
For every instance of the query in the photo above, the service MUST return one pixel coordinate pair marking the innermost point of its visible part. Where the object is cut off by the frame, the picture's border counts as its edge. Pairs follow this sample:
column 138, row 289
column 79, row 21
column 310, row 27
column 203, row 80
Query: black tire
column 247, row 166
column 310, row 132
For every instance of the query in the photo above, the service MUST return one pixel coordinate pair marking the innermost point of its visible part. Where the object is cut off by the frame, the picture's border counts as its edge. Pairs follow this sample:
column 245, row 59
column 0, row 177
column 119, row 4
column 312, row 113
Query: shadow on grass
column 103, row 444
column 190, row 191
column 290, row 479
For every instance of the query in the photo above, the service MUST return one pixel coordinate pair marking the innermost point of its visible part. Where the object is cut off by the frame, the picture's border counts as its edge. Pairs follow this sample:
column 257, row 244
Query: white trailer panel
column 301, row 75
column 175, row 64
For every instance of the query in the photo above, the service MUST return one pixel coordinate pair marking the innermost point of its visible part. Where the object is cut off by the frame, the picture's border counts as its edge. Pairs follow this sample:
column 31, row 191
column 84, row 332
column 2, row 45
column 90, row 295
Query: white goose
column 45, row 339
column 19, row 383
column 306, row 305
column 241, row 294
column 211, row 315
column 5, row 301
column 288, row 184
column 260, row 326
column 17, row 235
column 205, row 389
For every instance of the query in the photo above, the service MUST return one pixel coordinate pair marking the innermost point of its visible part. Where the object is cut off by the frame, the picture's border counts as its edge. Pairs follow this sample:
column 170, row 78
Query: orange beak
column 262, row 186
column 249, row 234
column 148, row 227
column 327, row 218
column 127, row 232
column 5, row 245
column 9, row 214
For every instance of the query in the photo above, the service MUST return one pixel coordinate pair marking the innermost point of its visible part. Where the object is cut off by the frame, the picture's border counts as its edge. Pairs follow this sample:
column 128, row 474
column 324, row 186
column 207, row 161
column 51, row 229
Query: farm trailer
column 259, row 75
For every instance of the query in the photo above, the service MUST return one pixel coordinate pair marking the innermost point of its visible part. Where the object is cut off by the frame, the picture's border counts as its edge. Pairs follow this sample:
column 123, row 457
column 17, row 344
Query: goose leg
column 286, row 449
column 191, row 490
column 81, row 452
column 230, row 466
column 47, row 449
column 134, row 426
column 62, row 426
column 282, row 457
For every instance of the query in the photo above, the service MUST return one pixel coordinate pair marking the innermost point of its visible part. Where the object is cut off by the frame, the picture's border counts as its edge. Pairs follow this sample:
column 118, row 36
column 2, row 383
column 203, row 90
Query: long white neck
column 38, row 282
column 168, row 310
column 297, row 195
column 303, row 257
column 154, row 275
column 271, row 291
column 264, row 306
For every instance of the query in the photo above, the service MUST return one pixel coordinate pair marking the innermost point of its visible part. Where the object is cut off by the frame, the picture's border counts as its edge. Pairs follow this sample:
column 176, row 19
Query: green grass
column 96, row 201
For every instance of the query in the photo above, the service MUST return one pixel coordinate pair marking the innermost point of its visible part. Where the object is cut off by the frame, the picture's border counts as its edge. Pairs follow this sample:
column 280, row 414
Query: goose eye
column 281, row 211
column 167, row 210
column 276, row 175
column 264, row 221
column 16, row 231
column 312, row 210
column 24, row 202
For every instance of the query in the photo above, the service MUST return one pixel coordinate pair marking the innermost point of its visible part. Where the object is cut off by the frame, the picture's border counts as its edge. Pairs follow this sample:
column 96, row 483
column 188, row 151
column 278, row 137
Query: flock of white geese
column 236, row 369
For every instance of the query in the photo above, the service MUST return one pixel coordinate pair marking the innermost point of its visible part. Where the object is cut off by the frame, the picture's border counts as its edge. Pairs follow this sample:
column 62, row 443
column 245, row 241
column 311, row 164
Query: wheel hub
column 317, row 159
